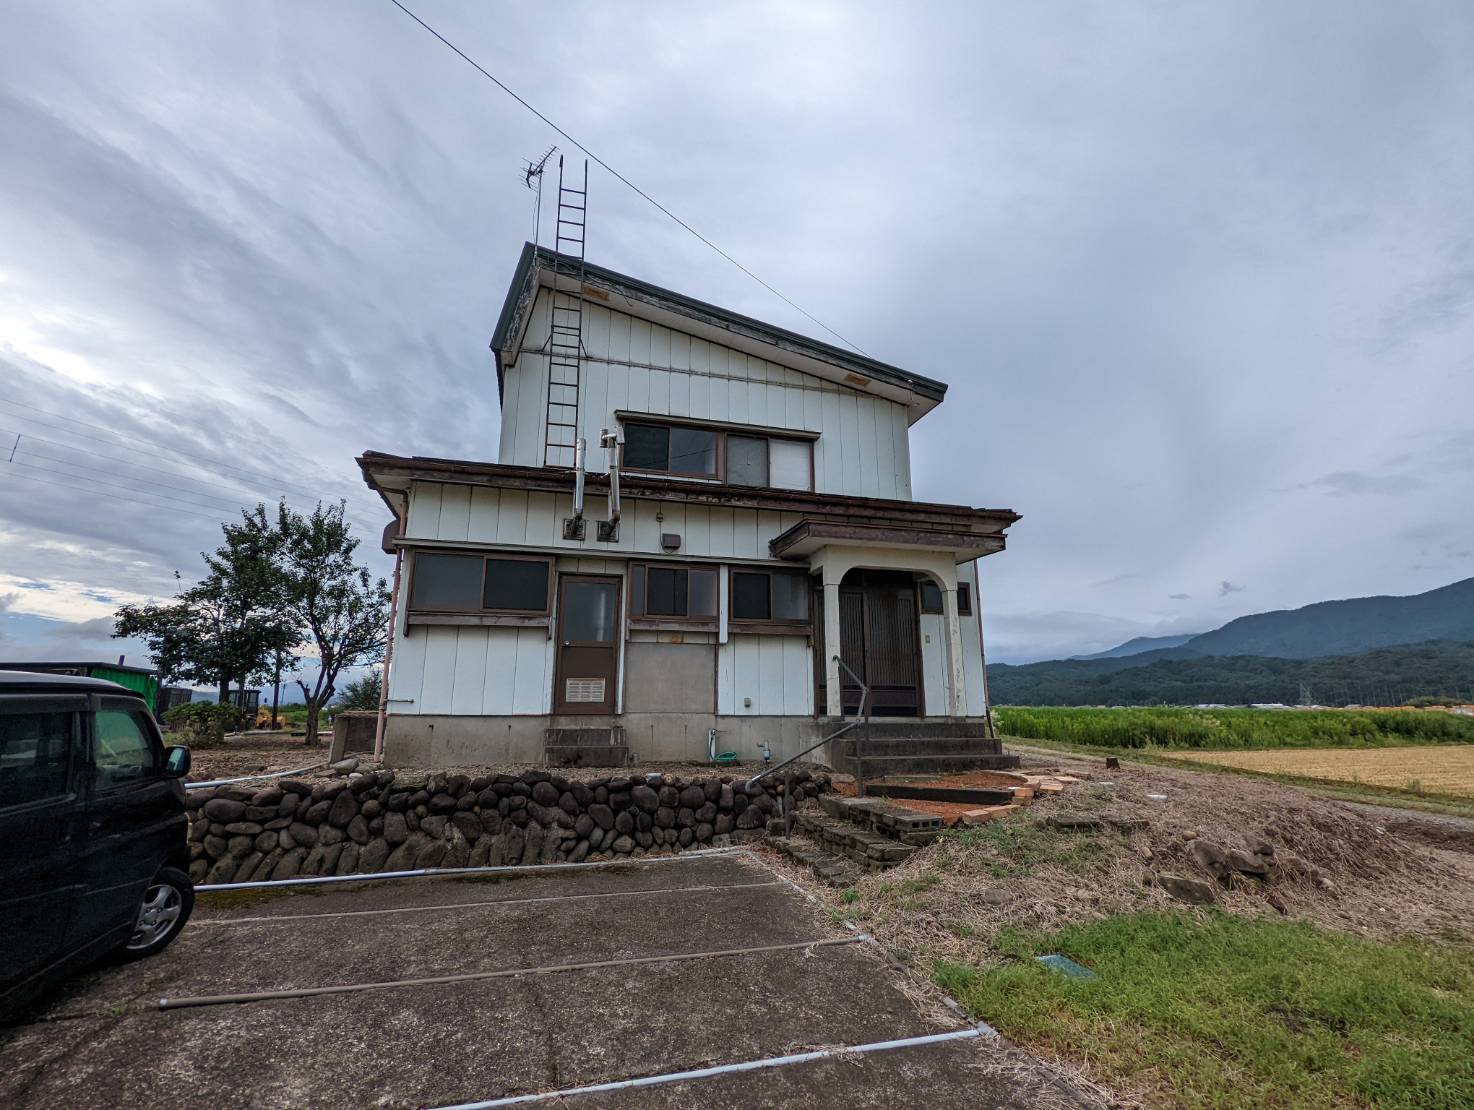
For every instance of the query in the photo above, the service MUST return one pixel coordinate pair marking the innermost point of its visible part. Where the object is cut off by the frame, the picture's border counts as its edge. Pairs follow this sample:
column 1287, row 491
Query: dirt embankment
column 1327, row 863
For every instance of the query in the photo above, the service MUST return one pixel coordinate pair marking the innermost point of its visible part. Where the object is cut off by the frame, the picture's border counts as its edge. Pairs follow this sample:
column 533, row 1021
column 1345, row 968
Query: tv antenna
column 532, row 177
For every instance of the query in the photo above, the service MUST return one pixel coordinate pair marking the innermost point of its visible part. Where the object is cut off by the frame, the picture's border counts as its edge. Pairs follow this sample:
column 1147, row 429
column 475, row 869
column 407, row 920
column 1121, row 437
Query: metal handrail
column 860, row 719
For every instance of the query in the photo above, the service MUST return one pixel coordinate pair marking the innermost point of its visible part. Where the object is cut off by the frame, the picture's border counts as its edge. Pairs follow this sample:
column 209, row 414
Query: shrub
column 204, row 723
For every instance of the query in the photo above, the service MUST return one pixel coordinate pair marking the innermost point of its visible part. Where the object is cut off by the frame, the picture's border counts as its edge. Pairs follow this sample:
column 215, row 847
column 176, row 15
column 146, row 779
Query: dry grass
column 1445, row 769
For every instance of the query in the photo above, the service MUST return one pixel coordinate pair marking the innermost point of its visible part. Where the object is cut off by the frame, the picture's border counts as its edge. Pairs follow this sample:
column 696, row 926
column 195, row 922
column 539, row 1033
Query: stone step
column 587, row 755
column 878, row 815
column 826, row 866
column 871, row 850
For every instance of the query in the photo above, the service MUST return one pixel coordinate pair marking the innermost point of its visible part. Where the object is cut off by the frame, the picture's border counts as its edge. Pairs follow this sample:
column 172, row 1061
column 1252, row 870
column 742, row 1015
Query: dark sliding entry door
column 588, row 644
column 879, row 641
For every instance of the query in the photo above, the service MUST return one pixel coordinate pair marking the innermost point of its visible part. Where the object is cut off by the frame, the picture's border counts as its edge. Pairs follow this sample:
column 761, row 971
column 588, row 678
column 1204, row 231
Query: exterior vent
column 583, row 691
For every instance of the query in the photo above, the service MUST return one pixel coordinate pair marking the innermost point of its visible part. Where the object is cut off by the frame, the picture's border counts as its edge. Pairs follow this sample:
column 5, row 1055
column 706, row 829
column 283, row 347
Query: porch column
column 834, row 695
column 957, row 695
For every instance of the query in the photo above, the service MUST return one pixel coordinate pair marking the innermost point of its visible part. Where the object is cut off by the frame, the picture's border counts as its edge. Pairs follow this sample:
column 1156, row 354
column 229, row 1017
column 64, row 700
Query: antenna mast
column 532, row 177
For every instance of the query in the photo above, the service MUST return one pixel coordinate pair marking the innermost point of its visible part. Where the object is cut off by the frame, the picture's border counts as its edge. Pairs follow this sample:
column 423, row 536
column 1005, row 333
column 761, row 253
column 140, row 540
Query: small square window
column 646, row 447
column 747, row 461
column 704, row 593
column 665, row 592
column 790, row 597
column 693, row 451
column 750, row 601
column 790, row 464
column 446, row 581
column 931, row 596
column 519, row 584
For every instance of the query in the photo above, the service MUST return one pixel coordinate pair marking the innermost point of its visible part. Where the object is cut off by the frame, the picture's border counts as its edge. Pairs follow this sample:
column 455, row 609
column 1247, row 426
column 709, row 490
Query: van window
column 123, row 752
column 33, row 756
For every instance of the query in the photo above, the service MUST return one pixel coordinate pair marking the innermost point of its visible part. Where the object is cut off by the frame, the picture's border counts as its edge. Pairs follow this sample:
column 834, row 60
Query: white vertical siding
column 863, row 446
column 776, row 672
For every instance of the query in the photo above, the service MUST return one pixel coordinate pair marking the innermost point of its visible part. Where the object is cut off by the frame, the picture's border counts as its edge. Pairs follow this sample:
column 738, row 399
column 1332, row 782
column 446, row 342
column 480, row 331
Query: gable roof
column 719, row 325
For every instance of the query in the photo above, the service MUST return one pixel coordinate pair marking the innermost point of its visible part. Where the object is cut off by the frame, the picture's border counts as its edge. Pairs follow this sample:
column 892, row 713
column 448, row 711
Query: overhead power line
column 211, row 501
column 257, row 477
column 117, row 496
column 621, row 178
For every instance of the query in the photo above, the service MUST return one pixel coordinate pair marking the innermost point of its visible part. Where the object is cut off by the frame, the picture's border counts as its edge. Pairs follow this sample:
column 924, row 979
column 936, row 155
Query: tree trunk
column 313, row 709
column 275, row 699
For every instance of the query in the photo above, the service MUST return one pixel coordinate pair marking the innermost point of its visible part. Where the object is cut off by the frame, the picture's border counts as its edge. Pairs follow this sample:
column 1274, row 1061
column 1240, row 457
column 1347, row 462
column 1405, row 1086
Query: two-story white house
column 763, row 524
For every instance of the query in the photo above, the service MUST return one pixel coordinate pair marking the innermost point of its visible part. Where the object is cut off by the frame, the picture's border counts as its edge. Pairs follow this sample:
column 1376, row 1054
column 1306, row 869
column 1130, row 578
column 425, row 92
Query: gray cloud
column 252, row 242
column 1226, row 587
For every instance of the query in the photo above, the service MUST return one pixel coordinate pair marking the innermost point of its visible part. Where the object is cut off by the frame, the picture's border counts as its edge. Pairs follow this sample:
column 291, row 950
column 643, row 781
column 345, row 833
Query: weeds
column 1238, row 1012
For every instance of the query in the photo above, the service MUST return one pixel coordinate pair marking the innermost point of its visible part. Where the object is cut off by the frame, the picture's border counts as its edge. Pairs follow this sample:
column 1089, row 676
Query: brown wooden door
column 588, row 644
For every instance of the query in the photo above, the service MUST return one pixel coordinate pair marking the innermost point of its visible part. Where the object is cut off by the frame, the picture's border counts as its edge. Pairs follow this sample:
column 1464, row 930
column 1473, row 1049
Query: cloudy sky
column 1200, row 276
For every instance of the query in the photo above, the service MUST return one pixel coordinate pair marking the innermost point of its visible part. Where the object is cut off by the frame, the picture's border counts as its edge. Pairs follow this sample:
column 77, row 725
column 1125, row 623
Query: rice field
column 1446, row 769
column 1228, row 729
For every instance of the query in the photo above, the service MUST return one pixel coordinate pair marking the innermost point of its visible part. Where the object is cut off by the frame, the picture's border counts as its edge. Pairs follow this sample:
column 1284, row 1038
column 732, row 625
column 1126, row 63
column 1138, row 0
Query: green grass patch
column 1225, row 729
column 1233, row 1012
column 1013, row 849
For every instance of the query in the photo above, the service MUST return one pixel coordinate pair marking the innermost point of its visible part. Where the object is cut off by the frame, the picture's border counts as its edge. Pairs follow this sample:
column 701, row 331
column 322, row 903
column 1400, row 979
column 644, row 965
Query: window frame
column 661, row 620
column 536, row 615
column 771, row 625
column 151, row 737
column 964, row 599
column 76, row 707
column 720, row 432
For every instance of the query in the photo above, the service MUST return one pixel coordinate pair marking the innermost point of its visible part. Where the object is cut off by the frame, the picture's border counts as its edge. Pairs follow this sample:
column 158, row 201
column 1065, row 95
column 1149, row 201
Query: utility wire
column 256, row 477
column 234, row 491
column 620, row 177
column 116, row 496
column 196, row 506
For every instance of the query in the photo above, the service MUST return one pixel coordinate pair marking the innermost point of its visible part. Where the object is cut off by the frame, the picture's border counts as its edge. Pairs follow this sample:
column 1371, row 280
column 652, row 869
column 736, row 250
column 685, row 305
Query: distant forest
column 1387, row 676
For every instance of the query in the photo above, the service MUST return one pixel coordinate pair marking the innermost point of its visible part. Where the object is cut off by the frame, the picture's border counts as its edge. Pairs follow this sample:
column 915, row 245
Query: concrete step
column 918, row 745
column 828, row 867
column 878, row 815
column 876, row 766
column 871, row 850
column 587, row 755
column 881, row 728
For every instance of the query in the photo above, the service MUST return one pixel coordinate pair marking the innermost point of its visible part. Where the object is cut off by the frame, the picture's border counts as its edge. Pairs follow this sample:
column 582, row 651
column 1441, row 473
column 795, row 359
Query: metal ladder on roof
column 565, row 336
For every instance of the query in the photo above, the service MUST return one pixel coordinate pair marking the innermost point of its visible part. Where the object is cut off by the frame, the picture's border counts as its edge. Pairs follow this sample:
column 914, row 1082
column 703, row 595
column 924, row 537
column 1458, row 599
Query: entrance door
column 879, row 641
column 588, row 644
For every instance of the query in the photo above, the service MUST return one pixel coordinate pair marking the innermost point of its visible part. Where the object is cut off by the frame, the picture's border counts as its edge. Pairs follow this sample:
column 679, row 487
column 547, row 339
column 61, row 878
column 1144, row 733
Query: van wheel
column 165, row 907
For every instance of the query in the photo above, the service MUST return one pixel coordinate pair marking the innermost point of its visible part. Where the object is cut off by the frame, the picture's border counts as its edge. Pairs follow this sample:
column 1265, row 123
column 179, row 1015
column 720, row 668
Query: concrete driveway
column 681, row 964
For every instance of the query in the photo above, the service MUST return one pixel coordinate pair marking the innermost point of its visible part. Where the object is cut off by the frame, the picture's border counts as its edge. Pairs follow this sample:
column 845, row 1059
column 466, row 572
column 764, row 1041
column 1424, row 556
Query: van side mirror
column 176, row 761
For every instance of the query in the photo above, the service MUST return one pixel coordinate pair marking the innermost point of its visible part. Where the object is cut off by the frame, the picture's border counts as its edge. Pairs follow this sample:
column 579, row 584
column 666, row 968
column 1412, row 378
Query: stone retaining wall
column 374, row 822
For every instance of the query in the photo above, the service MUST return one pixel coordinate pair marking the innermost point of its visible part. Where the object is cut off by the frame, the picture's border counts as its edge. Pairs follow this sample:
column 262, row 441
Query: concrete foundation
column 432, row 740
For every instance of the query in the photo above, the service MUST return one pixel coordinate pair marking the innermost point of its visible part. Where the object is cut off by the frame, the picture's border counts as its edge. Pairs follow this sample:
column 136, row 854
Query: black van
column 93, row 831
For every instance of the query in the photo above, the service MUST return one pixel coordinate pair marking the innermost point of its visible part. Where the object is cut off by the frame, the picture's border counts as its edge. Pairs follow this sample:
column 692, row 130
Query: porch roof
column 963, row 542
column 827, row 517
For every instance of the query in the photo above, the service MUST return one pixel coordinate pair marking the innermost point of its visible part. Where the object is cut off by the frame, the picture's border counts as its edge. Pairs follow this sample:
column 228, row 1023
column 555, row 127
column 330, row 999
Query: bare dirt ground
column 1365, row 871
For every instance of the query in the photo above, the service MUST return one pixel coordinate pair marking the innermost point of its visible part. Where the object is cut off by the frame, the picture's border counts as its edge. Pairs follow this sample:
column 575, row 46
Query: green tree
column 335, row 601
column 363, row 693
column 224, row 628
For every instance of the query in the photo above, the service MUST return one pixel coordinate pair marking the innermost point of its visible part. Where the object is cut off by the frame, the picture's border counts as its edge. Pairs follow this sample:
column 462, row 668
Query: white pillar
column 957, row 694
column 833, row 692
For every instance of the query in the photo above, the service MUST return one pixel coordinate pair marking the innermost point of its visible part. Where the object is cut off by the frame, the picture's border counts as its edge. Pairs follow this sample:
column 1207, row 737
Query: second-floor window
column 737, row 458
